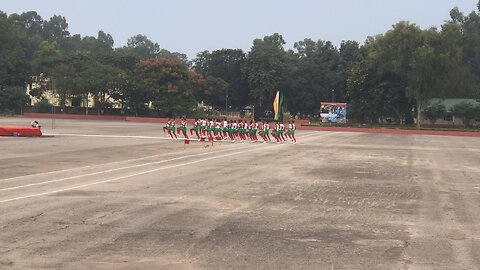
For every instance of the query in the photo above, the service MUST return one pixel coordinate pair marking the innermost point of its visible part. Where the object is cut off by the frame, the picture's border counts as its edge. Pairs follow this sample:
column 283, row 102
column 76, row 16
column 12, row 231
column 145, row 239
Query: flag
column 277, row 106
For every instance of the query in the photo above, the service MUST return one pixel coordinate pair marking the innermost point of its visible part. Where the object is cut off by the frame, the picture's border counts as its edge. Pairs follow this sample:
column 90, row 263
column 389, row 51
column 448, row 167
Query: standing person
column 183, row 128
column 218, row 130
column 282, row 131
column 172, row 129
column 35, row 124
column 276, row 132
column 231, row 131
column 291, row 131
column 256, row 126
column 240, row 129
column 234, row 129
column 210, row 129
column 195, row 128
column 266, row 131
column 225, row 128
column 203, row 127
column 253, row 130
column 167, row 126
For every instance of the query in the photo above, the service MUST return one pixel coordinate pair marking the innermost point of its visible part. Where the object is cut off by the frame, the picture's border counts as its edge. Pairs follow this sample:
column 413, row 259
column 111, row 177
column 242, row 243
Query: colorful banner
column 332, row 112
column 277, row 106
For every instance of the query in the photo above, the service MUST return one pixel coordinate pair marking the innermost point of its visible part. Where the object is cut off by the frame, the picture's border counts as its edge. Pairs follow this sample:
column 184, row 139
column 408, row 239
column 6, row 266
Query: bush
column 434, row 112
column 43, row 106
column 467, row 112
column 12, row 99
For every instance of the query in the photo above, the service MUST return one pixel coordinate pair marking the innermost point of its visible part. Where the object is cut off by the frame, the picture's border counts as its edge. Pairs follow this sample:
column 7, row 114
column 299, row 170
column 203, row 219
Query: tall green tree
column 102, row 81
column 12, row 99
column 266, row 68
column 142, row 47
column 14, row 67
column 316, row 76
column 226, row 65
column 470, row 42
column 56, row 29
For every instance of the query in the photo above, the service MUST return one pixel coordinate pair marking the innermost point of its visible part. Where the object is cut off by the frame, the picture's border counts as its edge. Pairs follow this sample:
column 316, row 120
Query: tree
column 226, row 65
column 470, row 44
column 214, row 91
column 171, row 83
column 56, row 29
column 142, row 47
column 435, row 111
column 317, row 72
column 65, row 81
column 32, row 25
column 374, row 89
column 12, row 99
column 416, row 59
column 467, row 112
column 102, row 81
column 14, row 67
column 266, row 68
column 45, row 58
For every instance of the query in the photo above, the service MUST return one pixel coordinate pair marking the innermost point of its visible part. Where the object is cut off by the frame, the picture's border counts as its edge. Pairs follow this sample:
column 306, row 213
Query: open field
column 132, row 199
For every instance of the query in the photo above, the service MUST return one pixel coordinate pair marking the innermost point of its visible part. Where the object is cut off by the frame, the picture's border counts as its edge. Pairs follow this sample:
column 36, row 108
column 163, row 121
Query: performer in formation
column 183, row 128
column 223, row 129
column 170, row 128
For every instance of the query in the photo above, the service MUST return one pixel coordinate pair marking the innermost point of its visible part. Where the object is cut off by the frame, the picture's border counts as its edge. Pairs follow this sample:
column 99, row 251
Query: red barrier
column 20, row 131
column 394, row 131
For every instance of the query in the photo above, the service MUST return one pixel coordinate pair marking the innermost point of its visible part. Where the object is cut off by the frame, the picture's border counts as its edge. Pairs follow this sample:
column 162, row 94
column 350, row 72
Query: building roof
column 449, row 103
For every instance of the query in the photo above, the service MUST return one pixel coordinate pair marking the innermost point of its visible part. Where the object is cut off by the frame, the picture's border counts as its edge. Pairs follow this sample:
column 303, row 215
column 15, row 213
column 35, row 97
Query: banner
column 277, row 106
column 332, row 112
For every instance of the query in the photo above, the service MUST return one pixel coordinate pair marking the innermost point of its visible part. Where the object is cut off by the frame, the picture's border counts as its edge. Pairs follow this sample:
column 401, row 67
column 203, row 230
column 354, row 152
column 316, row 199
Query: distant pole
column 333, row 95
column 226, row 102
column 53, row 116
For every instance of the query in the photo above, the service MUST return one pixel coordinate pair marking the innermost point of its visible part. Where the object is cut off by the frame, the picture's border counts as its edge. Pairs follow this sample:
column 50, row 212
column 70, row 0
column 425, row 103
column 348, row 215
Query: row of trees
column 392, row 75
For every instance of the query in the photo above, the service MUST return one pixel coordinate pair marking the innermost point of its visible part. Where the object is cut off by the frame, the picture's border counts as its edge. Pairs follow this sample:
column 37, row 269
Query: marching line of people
column 233, row 130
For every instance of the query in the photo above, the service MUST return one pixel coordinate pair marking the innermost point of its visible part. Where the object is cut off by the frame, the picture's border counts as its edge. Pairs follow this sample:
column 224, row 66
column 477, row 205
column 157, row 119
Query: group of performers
column 216, row 129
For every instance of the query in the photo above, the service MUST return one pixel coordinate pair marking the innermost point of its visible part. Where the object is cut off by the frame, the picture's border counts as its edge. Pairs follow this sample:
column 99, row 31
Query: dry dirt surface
column 117, row 195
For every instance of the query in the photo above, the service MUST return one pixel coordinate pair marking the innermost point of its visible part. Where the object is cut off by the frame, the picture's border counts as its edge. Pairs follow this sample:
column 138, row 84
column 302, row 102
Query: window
column 448, row 117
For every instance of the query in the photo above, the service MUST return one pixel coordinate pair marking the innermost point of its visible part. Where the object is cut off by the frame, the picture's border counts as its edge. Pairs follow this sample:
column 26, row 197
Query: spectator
column 35, row 124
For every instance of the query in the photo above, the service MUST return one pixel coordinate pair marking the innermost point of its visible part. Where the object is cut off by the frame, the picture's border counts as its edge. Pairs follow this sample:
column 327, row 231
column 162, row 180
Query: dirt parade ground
column 121, row 195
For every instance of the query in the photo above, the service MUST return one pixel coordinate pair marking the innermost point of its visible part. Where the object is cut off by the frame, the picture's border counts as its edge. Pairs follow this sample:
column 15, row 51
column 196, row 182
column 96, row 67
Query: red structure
column 20, row 131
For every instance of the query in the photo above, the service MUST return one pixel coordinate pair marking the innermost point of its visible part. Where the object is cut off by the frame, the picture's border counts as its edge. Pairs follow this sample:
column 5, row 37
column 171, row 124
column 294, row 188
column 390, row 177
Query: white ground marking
column 116, row 162
column 107, row 171
column 111, row 163
column 126, row 176
column 113, row 170
column 122, row 136
column 135, row 174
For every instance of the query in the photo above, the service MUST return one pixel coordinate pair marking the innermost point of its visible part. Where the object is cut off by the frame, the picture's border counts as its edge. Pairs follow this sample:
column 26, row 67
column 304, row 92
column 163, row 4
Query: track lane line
column 111, row 163
column 141, row 173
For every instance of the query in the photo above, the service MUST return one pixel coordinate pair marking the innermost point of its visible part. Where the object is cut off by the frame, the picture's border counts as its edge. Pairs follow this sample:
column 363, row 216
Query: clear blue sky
column 192, row 26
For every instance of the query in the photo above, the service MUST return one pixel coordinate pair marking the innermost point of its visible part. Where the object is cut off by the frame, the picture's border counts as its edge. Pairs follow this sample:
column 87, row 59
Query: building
column 46, row 86
column 449, row 117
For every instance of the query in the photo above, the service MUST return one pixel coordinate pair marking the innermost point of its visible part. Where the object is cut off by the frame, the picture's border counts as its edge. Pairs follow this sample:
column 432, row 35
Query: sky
column 192, row 26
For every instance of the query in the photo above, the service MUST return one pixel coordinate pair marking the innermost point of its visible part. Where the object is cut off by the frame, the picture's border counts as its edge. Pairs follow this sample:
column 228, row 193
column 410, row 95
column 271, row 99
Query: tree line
column 393, row 74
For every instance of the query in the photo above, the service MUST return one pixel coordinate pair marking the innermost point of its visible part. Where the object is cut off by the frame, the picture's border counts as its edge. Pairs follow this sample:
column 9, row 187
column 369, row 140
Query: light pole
column 333, row 95
column 226, row 102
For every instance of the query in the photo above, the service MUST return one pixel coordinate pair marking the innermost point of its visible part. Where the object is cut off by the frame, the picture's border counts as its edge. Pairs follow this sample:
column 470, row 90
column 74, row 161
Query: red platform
column 20, row 131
